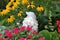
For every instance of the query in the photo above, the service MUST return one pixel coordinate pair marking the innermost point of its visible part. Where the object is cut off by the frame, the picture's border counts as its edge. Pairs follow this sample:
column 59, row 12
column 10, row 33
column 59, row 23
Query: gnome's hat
column 31, row 14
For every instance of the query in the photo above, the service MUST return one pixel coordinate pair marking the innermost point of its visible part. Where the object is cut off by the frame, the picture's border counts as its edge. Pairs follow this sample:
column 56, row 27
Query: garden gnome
column 31, row 21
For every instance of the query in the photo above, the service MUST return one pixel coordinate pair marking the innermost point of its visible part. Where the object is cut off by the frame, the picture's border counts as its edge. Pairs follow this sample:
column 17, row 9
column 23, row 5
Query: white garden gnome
column 31, row 21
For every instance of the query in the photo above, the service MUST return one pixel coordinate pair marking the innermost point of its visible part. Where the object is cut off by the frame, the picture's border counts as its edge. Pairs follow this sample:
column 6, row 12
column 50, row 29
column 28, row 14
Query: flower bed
column 13, row 12
column 24, row 33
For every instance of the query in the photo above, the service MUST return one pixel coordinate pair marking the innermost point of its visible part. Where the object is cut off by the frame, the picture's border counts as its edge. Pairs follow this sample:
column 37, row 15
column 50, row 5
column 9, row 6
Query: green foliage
column 45, row 33
column 49, row 35
column 54, row 35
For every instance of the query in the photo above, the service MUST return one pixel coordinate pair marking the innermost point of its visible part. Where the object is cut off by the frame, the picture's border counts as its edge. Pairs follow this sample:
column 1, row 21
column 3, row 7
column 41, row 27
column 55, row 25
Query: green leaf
column 45, row 34
column 54, row 35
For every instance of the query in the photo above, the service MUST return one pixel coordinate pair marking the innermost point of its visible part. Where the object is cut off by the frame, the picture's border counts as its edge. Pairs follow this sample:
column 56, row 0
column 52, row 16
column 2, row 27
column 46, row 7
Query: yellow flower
column 31, row 5
column 39, row 8
column 11, row 0
column 24, row 1
column 8, row 6
column 4, row 12
column 20, row 13
column 11, row 5
column 0, row 13
column 14, row 5
column 17, row 2
column 10, row 19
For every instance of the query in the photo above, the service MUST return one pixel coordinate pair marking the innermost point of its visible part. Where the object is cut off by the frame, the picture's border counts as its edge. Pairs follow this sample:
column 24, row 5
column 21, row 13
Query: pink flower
column 29, row 36
column 58, row 30
column 28, row 28
column 0, row 34
column 8, row 33
column 6, row 30
column 58, row 23
column 2, row 39
column 35, row 32
column 15, row 30
column 41, row 38
column 22, row 28
column 22, row 39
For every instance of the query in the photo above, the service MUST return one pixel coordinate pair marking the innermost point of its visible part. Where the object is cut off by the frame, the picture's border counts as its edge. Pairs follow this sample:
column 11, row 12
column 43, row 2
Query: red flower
column 22, row 39
column 35, row 32
column 0, row 34
column 41, row 38
column 6, row 30
column 28, row 28
column 58, row 30
column 2, row 39
column 58, row 23
column 22, row 28
column 15, row 30
column 8, row 33
column 29, row 36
